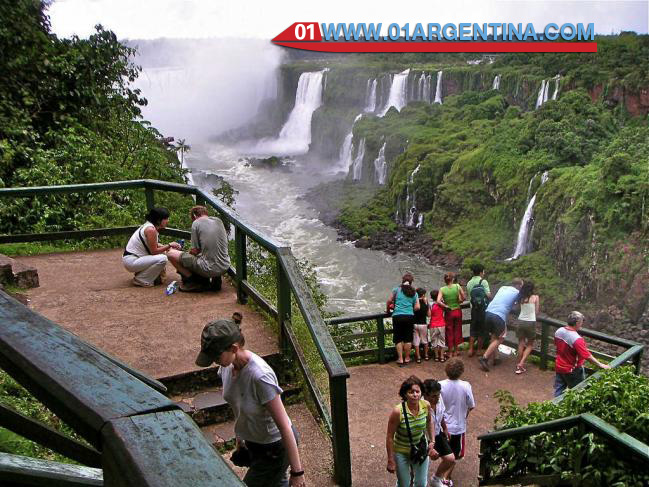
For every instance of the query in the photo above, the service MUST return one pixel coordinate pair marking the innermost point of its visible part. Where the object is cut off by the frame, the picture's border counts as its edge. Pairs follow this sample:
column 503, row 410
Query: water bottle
column 171, row 288
column 181, row 242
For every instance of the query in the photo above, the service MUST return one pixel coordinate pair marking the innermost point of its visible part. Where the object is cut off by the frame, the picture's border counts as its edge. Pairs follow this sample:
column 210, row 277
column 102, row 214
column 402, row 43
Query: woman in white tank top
column 526, row 329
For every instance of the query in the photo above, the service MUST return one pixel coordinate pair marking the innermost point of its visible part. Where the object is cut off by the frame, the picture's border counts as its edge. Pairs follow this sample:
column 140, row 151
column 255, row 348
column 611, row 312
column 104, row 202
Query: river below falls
column 355, row 280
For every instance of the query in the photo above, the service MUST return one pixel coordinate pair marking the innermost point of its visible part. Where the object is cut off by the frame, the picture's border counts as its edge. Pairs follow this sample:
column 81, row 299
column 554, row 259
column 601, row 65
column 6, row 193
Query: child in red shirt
column 436, row 328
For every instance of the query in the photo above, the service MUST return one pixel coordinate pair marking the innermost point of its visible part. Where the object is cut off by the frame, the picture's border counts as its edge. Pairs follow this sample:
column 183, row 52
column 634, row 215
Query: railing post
column 283, row 307
column 150, row 200
column 380, row 339
column 340, row 431
column 637, row 361
column 483, row 472
column 242, row 270
column 544, row 345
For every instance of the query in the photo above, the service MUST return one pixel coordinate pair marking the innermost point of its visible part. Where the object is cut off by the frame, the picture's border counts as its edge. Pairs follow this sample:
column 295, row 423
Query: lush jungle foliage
column 480, row 159
column 619, row 397
column 68, row 115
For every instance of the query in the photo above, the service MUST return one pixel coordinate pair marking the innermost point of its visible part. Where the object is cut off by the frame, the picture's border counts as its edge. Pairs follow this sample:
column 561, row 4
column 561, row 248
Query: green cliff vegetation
column 68, row 115
column 480, row 157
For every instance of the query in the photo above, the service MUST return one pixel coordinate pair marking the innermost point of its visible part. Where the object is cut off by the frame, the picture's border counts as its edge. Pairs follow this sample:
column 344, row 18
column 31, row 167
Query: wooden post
column 579, row 451
column 340, row 431
column 637, row 361
column 283, row 307
column 150, row 200
column 242, row 270
column 200, row 200
column 544, row 345
column 380, row 339
column 483, row 469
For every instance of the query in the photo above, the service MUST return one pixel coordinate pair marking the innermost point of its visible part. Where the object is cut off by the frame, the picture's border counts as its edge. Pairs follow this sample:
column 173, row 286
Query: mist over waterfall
column 380, row 166
column 523, row 242
column 398, row 92
column 195, row 89
column 438, row 88
column 357, row 165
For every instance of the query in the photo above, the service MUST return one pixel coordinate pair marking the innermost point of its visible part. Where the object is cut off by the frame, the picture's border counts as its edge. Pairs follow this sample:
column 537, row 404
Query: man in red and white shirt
column 571, row 355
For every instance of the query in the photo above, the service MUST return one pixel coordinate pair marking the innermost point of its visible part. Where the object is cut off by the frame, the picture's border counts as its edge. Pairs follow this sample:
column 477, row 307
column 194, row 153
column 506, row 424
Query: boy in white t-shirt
column 458, row 399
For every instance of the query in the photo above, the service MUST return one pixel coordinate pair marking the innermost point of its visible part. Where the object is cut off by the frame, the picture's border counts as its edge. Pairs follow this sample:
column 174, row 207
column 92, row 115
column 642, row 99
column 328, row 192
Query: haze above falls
column 194, row 101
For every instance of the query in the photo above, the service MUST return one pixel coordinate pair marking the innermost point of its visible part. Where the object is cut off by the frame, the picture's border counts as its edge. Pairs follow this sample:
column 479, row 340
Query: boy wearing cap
column 250, row 387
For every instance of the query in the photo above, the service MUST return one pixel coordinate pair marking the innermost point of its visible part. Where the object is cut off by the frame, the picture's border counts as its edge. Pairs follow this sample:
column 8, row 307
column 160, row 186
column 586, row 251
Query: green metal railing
column 291, row 285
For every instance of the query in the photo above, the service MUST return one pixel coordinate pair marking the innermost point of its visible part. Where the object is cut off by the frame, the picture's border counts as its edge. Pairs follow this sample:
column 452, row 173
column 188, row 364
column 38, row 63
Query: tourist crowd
column 430, row 422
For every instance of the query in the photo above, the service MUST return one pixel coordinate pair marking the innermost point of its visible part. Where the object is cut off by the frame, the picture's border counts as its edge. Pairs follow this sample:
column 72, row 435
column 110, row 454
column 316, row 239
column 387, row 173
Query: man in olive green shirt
column 479, row 335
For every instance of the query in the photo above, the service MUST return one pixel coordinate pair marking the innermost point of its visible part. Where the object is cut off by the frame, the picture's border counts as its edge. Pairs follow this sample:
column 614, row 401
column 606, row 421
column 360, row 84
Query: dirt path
column 90, row 294
column 373, row 392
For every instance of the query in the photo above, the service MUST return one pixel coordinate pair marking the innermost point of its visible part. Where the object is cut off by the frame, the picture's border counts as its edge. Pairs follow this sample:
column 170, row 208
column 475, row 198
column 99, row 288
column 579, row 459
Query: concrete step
column 13, row 272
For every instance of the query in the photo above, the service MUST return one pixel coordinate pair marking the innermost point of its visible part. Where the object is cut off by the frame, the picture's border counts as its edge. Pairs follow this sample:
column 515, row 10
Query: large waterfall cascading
column 496, row 83
column 357, row 165
column 380, row 166
column 527, row 223
column 345, row 159
column 398, row 92
column 370, row 96
column 424, row 88
column 295, row 136
column 438, row 88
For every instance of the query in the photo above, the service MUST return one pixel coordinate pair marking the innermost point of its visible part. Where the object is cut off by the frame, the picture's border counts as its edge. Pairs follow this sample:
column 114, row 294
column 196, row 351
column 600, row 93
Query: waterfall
column 438, row 88
column 539, row 97
column 423, row 92
column 411, row 202
column 420, row 221
column 556, row 86
column 345, row 160
column 295, row 136
column 370, row 96
column 398, row 92
column 496, row 83
column 380, row 166
column 527, row 223
column 357, row 165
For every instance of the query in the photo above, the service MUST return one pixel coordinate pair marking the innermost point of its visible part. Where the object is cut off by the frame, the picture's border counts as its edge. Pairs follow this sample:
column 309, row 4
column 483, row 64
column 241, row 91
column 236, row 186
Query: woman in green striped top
column 397, row 442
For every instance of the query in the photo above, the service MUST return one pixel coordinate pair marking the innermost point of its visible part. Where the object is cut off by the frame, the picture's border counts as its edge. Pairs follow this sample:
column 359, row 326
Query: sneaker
column 191, row 287
column 483, row 364
column 447, row 482
column 139, row 283
column 436, row 482
column 216, row 283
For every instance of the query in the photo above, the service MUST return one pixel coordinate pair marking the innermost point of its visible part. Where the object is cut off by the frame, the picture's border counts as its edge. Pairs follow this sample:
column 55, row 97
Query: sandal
column 520, row 369
column 443, row 359
column 418, row 360
column 426, row 358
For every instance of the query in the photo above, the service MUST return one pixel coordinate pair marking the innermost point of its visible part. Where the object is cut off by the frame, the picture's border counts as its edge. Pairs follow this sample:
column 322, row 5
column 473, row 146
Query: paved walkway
column 90, row 294
column 373, row 392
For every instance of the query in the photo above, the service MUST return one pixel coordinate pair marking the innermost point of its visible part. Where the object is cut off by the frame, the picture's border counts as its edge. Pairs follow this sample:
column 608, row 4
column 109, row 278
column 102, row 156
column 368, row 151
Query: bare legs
column 525, row 347
column 174, row 257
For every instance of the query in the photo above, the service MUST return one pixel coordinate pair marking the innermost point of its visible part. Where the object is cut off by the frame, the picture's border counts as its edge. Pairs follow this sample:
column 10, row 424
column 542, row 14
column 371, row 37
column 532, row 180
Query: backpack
column 479, row 299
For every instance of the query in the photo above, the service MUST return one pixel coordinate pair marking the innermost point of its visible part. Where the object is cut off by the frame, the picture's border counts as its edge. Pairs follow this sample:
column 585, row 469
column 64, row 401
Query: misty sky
column 147, row 19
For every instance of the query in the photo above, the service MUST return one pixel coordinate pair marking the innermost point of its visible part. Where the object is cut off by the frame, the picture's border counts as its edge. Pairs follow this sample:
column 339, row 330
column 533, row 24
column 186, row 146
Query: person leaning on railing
column 144, row 255
column 265, row 438
column 571, row 355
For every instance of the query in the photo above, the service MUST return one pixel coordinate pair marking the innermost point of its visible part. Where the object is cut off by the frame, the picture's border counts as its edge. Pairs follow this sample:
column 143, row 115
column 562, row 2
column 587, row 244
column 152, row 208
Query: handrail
column 290, row 280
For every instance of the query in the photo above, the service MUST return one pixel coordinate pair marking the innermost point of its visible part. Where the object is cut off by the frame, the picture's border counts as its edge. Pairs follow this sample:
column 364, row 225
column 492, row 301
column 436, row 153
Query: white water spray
column 370, row 96
column 496, row 83
column 398, row 92
column 345, row 159
column 527, row 223
column 438, row 88
column 357, row 165
column 556, row 86
column 381, row 166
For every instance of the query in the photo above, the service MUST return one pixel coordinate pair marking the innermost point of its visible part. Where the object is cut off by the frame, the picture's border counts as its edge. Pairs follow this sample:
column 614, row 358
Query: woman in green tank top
column 398, row 443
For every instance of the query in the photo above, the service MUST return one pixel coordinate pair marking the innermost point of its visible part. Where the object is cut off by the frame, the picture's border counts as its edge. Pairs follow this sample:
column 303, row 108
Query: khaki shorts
column 190, row 262
column 525, row 329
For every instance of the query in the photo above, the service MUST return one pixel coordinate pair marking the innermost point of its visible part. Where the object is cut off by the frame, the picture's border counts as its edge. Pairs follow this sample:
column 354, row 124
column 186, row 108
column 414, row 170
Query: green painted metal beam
column 161, row 449
column 70, row 188
column 18, row 470
column 67, row 235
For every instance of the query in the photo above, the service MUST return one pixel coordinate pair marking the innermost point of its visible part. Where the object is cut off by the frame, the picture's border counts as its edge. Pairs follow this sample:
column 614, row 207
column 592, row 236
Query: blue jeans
column 562, row 381
column 404, row 465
